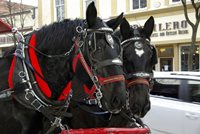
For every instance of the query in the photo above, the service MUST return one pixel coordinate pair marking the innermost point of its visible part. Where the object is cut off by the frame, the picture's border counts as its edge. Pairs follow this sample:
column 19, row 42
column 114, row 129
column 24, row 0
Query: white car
column 175, row 103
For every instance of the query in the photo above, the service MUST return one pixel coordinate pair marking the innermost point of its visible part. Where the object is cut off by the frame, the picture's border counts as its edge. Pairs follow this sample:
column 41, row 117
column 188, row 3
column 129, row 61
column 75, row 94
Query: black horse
column 139, row 57
column 48, row 59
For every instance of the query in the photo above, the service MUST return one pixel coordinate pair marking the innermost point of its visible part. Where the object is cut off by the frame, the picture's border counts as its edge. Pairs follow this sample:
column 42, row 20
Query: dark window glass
column 143, row 3
column 185, row 58
column 139, row 4
column 166, row 52
column 135, row 4
column 182, row 89
column 59, row 9
column 175, row 0
column 166, row 87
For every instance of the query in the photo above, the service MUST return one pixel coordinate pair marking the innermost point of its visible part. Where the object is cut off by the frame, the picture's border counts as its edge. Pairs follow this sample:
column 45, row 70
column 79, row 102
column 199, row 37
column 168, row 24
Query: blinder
column 109, row 39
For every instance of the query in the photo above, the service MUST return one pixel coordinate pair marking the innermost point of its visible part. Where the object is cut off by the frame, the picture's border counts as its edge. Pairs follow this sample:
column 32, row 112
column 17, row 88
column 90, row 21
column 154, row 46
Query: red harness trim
column 41, row 83
column 103, row 81
column 75, row 60
column 34, row 61
column 10, row 75
column 111, row 79
column 89, row 92
column 65, row 92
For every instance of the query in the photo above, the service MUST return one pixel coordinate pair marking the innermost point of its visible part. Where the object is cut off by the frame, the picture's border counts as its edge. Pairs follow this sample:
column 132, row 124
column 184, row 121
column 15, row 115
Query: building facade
column 171, row 36
column 18, row 15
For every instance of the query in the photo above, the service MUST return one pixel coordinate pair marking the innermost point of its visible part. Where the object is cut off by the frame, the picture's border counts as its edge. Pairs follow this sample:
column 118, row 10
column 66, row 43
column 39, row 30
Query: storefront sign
column 170, row 29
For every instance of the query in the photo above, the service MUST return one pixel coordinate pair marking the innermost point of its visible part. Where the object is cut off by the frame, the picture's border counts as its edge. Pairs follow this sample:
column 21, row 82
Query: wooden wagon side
column 107, row 131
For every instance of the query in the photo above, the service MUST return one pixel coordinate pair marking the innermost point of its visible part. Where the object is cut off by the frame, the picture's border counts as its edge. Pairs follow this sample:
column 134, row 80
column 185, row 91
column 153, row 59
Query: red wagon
column 107, row 131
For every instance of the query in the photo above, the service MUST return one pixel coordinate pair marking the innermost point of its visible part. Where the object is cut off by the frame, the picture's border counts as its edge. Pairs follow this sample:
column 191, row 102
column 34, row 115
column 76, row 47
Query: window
column 185, row 58
column 182, row 89
column 59, row 9
column 175, row 0
column 166, row 87
column 137, row 4
column 165, row 52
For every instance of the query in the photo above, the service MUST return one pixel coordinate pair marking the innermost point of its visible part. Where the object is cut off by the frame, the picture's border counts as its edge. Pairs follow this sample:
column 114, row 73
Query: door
column 166, row 64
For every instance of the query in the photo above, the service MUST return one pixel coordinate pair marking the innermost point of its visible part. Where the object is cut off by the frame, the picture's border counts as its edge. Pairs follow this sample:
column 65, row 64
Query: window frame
column 181, row 95
column 138, row 9
column 60, row 6
column 180, row 54
column 171, row 2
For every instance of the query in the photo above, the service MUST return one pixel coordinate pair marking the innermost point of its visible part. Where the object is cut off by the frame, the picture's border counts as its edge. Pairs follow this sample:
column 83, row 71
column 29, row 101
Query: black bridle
column 137, row 77
column 132, row 79
column 84, row 40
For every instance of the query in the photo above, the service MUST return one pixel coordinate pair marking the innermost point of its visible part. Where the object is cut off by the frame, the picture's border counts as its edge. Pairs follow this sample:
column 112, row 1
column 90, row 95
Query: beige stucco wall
column 165, row 13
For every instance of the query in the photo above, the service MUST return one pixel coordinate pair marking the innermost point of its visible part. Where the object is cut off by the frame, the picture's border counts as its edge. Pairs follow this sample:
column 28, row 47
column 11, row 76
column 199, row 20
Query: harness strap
column 103, row 81
column 111, row 79
column 34, row 62
column 137, row 81
column 55, row 121
column 10, row 75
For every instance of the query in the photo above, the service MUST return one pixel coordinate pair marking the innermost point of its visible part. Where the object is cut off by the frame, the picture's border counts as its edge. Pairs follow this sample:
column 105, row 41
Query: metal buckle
column 27, row 95
column 92, row 102
column 36, row 104
column 57, row 123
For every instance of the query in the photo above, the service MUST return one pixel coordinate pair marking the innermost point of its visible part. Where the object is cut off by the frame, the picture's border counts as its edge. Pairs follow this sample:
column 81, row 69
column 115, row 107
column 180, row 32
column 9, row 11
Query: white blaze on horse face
column 139, row 52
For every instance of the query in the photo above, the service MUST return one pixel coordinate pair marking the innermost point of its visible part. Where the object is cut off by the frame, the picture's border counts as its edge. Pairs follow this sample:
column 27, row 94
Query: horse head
column 101, row 50
column 139, row 58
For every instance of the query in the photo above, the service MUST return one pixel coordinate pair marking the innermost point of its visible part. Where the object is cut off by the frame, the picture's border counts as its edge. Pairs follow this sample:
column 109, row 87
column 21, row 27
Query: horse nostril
column 116, row 102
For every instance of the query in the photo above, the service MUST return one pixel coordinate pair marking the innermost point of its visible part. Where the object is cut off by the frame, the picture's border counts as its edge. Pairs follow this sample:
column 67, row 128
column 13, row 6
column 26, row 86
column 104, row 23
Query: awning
column 4, row 27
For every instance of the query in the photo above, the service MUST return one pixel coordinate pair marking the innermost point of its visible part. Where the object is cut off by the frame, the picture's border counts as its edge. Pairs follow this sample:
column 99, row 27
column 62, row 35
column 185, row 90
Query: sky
column 28, row 2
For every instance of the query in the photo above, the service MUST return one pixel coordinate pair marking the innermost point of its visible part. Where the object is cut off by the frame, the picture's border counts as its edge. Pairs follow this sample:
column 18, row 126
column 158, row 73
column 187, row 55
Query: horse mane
column 57, row 34
column 56, row 39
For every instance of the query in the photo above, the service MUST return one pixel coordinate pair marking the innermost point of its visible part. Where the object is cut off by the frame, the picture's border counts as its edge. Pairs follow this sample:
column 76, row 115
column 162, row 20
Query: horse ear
column 125, row 29
column 149, row 26
column 114, row 23
column 91, row 14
